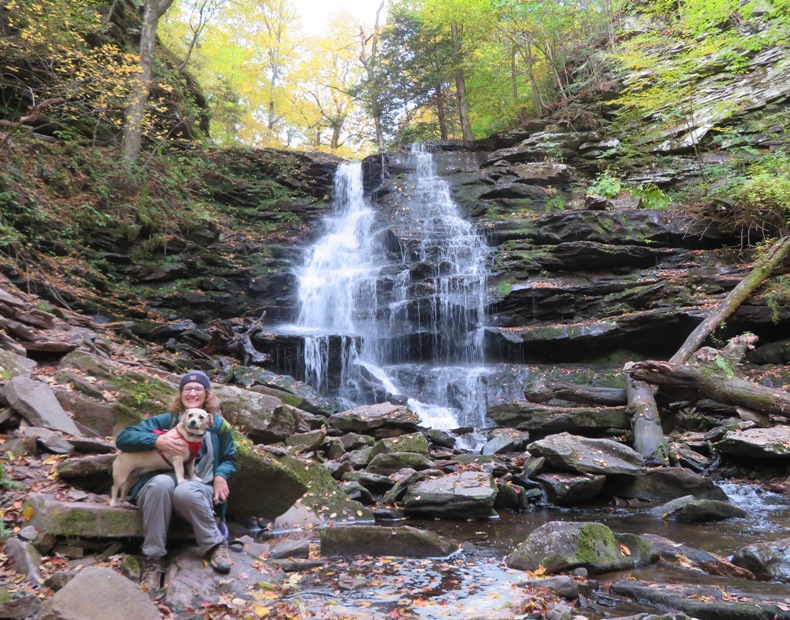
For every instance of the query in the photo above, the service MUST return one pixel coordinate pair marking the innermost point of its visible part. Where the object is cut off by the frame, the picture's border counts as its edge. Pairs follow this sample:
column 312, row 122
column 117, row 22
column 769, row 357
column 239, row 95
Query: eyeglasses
column 194, row 390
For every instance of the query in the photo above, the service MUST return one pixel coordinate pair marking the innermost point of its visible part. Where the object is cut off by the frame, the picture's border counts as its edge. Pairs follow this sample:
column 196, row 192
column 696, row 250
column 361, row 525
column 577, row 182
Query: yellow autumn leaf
column 625, row 550
column 262, row 612
column 27, row 513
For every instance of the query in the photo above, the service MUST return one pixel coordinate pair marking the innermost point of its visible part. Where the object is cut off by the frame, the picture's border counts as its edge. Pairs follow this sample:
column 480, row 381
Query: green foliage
column 750, row 193
column 606, row 185
column 688, row 41
column 556, row 203
column 653, row 197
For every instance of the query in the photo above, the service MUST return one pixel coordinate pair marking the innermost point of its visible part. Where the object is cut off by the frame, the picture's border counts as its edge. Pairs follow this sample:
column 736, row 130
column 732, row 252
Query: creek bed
column 476, row 582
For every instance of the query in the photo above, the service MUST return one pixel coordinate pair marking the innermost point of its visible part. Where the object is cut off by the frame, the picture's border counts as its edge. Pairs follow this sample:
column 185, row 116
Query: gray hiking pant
column 192, row 501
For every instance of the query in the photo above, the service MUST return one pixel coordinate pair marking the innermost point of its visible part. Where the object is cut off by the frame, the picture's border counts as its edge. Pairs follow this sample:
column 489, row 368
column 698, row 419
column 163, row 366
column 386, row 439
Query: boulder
column 257, row 470
column 16, row 604
column 50, row 440
column 322, row 503
column 528, row 416
column 36, row 402
column 386, row 464
column 757, row 443
column 685, row 557
column 27, row 558
column 562, row 546
column 380, row 541
column 82, row 519
column 14, row 365
column 663, row 483
column 585, row 455
column 467, row 494
column 706, row 510
column 261, row 417
column 768, row 561
column 191, row 583
column 503, row 441
column 97, row 588
column 702, row 601
column 382, row 420
column 570, row 489
column 413, row 442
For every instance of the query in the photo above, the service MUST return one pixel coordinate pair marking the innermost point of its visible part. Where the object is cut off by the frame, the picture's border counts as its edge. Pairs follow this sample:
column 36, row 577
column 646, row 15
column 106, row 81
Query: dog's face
column 196, row 420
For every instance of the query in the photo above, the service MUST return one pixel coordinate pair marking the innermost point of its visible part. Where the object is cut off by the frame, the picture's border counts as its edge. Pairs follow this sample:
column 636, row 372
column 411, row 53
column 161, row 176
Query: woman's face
column 193, row 395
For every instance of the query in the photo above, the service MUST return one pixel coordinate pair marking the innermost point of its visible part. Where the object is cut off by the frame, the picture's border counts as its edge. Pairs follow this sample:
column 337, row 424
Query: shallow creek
column 476, row 582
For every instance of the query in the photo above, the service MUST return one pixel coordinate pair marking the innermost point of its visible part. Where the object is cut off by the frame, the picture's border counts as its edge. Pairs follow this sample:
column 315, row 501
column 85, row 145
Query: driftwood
column 583, row 394
column 526, row 416
column 236, row 339
column 649, row 438
column 31, row 117
column 734, row 298
column 716, row 386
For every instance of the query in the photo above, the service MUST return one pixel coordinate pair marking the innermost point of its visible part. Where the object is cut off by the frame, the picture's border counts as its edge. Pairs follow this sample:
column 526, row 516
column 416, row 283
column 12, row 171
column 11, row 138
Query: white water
column 340, row 296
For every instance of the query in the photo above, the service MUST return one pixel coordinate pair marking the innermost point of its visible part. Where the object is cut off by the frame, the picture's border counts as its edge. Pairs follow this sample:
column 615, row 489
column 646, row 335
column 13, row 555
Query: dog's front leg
column 178, row 468
column 189, row 471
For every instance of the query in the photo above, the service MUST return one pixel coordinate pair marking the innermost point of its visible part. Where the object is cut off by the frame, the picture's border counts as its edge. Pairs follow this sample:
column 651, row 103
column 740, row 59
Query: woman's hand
column 171, row 444
column 221, row 490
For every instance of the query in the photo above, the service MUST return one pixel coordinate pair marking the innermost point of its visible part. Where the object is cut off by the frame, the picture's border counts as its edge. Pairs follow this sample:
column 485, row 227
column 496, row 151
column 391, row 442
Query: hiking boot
column 151, row 577
column 218, row 558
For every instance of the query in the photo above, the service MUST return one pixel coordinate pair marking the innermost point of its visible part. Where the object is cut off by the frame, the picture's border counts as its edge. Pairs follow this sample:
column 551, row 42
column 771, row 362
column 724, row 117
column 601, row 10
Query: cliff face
column 604, row 235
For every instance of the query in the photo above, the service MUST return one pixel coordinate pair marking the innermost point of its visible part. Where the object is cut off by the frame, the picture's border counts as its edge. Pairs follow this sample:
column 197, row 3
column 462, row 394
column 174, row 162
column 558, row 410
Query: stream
column 476, row 581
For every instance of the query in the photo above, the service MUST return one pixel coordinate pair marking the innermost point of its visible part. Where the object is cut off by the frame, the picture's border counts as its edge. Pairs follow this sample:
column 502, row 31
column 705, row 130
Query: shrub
column 606, row 185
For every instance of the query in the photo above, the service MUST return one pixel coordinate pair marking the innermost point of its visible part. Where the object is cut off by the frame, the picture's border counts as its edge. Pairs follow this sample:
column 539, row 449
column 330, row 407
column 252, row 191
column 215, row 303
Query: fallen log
column 649, row 438
column 713, row 385
column 236, row 339
column 648, row 435
column 734, row 298
column 582, row 394
column 526, row 416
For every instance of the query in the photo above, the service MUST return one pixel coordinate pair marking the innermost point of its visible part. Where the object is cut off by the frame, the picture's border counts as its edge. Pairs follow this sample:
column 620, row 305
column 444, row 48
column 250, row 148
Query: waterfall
column 409, row 313
column 337, row 283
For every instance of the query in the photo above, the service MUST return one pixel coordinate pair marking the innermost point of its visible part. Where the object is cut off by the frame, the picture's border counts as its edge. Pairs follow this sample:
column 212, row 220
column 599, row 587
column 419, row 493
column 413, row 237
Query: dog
column 129, row 466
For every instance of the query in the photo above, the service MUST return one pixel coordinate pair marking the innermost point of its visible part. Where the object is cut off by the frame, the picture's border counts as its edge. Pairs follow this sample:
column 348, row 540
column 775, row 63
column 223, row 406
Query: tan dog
column 129, row 466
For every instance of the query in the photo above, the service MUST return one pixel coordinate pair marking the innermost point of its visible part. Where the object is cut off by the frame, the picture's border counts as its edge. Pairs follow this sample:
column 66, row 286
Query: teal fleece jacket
column 141, row 437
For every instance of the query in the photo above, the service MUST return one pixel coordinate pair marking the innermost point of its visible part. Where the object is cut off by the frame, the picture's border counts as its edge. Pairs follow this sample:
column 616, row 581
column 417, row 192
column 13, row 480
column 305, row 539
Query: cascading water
column 337, row 284
column 406, row 298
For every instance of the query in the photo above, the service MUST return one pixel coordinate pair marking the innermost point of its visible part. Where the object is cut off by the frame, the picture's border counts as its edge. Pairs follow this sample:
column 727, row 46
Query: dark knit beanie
column 195, row 376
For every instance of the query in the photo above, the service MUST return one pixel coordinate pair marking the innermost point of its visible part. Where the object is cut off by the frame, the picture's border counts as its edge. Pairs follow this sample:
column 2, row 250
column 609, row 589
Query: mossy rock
column 324, row 496
column 561, row 546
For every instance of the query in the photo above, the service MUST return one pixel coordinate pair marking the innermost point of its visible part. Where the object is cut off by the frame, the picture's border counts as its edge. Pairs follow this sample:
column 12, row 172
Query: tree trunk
column 645, row 421
column 440, row 113
column 718, row 387
column 583, row 394
column 133, row 129
column 460, row 86
column 526, row 55
column 734, row 299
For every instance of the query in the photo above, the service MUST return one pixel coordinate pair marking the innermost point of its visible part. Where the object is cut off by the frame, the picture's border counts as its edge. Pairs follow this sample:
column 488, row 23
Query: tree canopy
column 409, row 70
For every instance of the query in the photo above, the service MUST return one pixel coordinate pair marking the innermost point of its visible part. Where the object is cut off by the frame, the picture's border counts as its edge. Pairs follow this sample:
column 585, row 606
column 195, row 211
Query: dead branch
column 736, row 296
column 716, row 386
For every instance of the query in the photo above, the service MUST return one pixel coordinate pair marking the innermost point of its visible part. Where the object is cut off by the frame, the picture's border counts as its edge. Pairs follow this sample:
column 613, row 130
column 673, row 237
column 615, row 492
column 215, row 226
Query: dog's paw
column 196, row 479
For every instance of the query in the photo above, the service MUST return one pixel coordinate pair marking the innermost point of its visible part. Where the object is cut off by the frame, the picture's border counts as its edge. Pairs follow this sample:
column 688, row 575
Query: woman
column 157, row 494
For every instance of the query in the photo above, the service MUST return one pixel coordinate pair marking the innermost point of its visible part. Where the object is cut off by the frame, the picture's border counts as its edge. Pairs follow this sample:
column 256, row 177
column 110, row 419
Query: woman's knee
column 159, row 485
column 189, row 493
